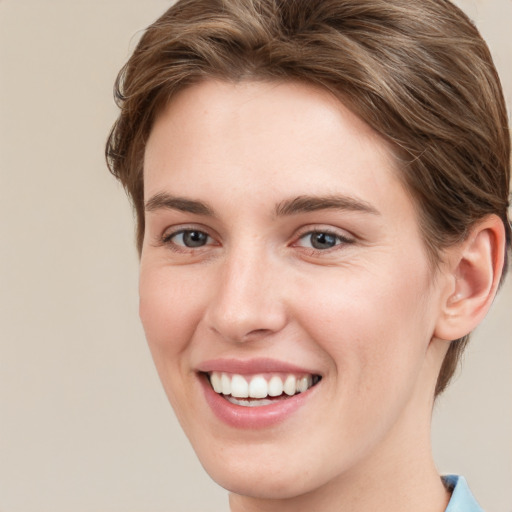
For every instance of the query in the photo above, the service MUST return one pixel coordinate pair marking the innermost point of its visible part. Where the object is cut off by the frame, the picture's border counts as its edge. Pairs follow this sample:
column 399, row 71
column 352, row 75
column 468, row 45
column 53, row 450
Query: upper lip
column 252, row 366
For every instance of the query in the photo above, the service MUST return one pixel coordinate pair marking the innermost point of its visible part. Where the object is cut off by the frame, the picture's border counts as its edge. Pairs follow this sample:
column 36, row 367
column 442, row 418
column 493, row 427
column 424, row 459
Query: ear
column 473, row 270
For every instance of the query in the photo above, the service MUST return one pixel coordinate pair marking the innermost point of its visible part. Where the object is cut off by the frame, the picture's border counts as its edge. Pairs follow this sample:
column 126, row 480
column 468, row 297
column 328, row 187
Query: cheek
column 169, row 309
column 374, row 323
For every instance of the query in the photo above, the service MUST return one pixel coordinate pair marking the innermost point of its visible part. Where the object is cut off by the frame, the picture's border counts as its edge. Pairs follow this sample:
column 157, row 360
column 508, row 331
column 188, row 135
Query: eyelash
column 167, row 239
column 340, row 240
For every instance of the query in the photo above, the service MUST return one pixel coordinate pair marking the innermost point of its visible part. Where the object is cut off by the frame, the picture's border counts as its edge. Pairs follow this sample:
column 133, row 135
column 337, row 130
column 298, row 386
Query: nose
column 248, row 300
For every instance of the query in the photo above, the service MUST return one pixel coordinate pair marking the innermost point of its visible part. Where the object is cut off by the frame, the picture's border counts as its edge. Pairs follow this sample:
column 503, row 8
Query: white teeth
column 258, row 387
column 304, row 384
column 249, row 403
column 275, row 386
column 216, row 382
column 290, row 385
column 226, row 384
column 239, row 387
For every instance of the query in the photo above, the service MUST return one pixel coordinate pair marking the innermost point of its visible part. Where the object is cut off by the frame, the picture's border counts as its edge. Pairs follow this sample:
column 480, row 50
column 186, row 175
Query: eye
column 189, row 238
column 322, row 240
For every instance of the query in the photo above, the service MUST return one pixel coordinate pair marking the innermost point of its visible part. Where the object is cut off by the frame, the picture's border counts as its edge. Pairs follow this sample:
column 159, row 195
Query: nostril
column 258, row 333
column 234, row 336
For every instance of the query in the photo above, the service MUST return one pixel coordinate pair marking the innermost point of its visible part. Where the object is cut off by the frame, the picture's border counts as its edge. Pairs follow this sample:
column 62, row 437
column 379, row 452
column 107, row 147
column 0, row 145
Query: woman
column 321, row 189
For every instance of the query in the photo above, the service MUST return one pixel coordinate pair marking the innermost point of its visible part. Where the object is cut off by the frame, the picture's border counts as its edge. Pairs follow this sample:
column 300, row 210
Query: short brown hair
column 417, row 71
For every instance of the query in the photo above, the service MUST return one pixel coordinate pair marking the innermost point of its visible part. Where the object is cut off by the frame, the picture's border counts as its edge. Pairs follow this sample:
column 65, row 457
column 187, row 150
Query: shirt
column 462, row 500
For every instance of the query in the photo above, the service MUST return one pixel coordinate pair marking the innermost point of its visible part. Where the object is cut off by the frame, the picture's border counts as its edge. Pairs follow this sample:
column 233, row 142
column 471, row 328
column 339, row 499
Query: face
column 285, row 289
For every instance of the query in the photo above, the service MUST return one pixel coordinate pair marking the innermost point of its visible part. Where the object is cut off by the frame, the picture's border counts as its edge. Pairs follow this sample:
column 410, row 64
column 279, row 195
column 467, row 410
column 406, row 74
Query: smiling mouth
column 259, row 390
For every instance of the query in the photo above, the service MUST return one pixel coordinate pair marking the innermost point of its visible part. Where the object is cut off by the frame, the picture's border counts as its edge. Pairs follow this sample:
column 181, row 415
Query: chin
column 271, row 482
column 265, row 470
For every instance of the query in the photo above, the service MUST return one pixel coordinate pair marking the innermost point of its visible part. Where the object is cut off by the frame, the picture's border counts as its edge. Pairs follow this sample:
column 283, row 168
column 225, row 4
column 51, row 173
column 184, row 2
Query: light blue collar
column 462, row 500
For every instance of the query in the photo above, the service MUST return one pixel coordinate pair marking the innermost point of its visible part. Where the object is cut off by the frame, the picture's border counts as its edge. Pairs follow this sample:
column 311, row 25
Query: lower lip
column 263, row 416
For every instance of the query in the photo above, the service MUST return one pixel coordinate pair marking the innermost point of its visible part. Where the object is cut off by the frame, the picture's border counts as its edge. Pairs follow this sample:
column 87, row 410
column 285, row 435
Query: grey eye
column 322, row 240
column 190, row 238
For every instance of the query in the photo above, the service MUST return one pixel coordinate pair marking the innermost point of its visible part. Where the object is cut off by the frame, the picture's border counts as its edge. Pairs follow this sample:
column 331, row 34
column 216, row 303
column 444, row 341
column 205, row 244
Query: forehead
column 263, row 104
column 273, row 130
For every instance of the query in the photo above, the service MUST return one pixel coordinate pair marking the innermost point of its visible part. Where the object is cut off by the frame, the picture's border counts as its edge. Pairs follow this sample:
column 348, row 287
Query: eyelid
column 169, row 232
column 343, row 237
column 187, row 226
column 167, row 238
column 322, row 228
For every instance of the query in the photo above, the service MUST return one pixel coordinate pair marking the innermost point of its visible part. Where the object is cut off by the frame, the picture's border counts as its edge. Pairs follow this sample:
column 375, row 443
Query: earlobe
column 475, row 268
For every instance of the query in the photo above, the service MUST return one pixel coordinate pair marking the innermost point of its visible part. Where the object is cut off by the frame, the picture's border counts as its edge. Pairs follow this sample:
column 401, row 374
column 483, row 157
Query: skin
column 362, row 314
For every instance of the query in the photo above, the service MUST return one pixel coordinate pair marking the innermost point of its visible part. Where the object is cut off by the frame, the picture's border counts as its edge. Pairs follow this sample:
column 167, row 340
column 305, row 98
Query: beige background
column 84, row 425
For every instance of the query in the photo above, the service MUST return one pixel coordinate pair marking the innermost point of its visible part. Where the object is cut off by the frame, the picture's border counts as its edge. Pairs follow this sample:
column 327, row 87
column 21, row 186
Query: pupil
column 194, row 238
column 323, row 241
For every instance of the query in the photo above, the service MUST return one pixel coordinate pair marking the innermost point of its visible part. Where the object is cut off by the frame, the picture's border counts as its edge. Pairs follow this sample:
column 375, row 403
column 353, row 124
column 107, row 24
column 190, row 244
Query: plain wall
column 84, row 423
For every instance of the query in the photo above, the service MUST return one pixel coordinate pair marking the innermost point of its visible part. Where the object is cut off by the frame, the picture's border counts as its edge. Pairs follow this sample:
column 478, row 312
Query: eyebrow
column 166, row 201
column 300, row 204
column 304, row 204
